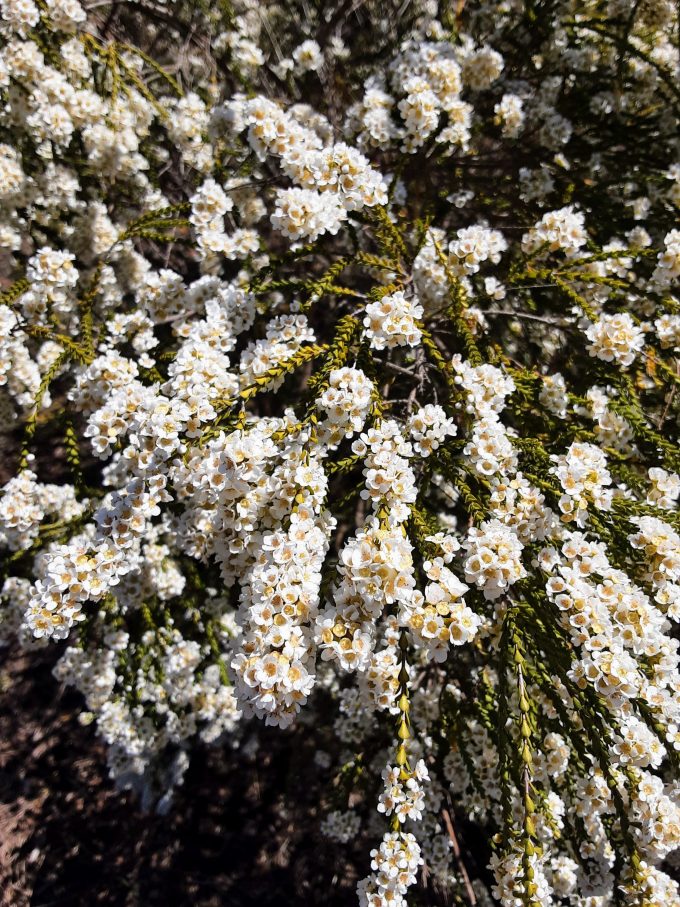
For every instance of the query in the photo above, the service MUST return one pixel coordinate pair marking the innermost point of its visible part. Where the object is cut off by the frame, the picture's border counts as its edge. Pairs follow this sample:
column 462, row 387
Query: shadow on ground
column 235, row 837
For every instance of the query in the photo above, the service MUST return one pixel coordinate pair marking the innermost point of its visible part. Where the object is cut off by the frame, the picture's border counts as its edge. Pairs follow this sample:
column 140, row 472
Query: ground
column 67, row 837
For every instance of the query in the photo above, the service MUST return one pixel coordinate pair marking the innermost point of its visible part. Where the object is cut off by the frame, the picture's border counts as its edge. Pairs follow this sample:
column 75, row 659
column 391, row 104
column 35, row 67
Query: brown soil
column 241, row 832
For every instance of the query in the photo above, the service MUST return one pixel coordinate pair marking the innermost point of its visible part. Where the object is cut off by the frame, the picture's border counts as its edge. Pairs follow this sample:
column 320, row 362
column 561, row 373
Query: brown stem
column 448, row 822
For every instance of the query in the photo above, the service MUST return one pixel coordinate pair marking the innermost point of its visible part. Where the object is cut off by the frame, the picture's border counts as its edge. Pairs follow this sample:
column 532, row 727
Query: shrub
column 348, row 337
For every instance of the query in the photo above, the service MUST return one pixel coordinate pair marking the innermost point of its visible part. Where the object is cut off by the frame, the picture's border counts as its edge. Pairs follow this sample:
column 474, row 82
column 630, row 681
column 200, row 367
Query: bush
column 339, row 348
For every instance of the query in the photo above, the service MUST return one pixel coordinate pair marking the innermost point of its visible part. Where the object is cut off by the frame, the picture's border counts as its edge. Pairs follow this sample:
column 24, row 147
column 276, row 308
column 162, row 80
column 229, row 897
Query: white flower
column 391, row 321
column 494, row 558
column 615, row 337
column 308, row 56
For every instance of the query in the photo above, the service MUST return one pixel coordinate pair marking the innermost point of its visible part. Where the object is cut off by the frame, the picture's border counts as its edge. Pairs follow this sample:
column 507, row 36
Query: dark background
column 242, row 831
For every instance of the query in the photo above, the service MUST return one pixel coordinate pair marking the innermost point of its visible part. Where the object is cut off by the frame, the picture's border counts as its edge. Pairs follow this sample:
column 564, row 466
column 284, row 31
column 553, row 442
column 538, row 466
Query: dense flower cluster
column 339, row 359
column 615, row 337
column 393, row 322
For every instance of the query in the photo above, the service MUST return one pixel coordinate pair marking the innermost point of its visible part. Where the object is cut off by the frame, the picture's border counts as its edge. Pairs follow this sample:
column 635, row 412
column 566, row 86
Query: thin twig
column 472, row 897
column 557, row 322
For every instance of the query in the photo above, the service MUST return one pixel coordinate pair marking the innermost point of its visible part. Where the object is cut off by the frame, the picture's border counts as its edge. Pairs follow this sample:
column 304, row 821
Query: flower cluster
column 394, row 866
column 339, row 388
column 392, row 321
column 404, row 799
column 345, row 404
column 563, row 230
column 494, row 558
column 615, row 337
column 332, row 180
column 439, row 617
column 473, row 246
column 584, row 477
column 428, row 427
